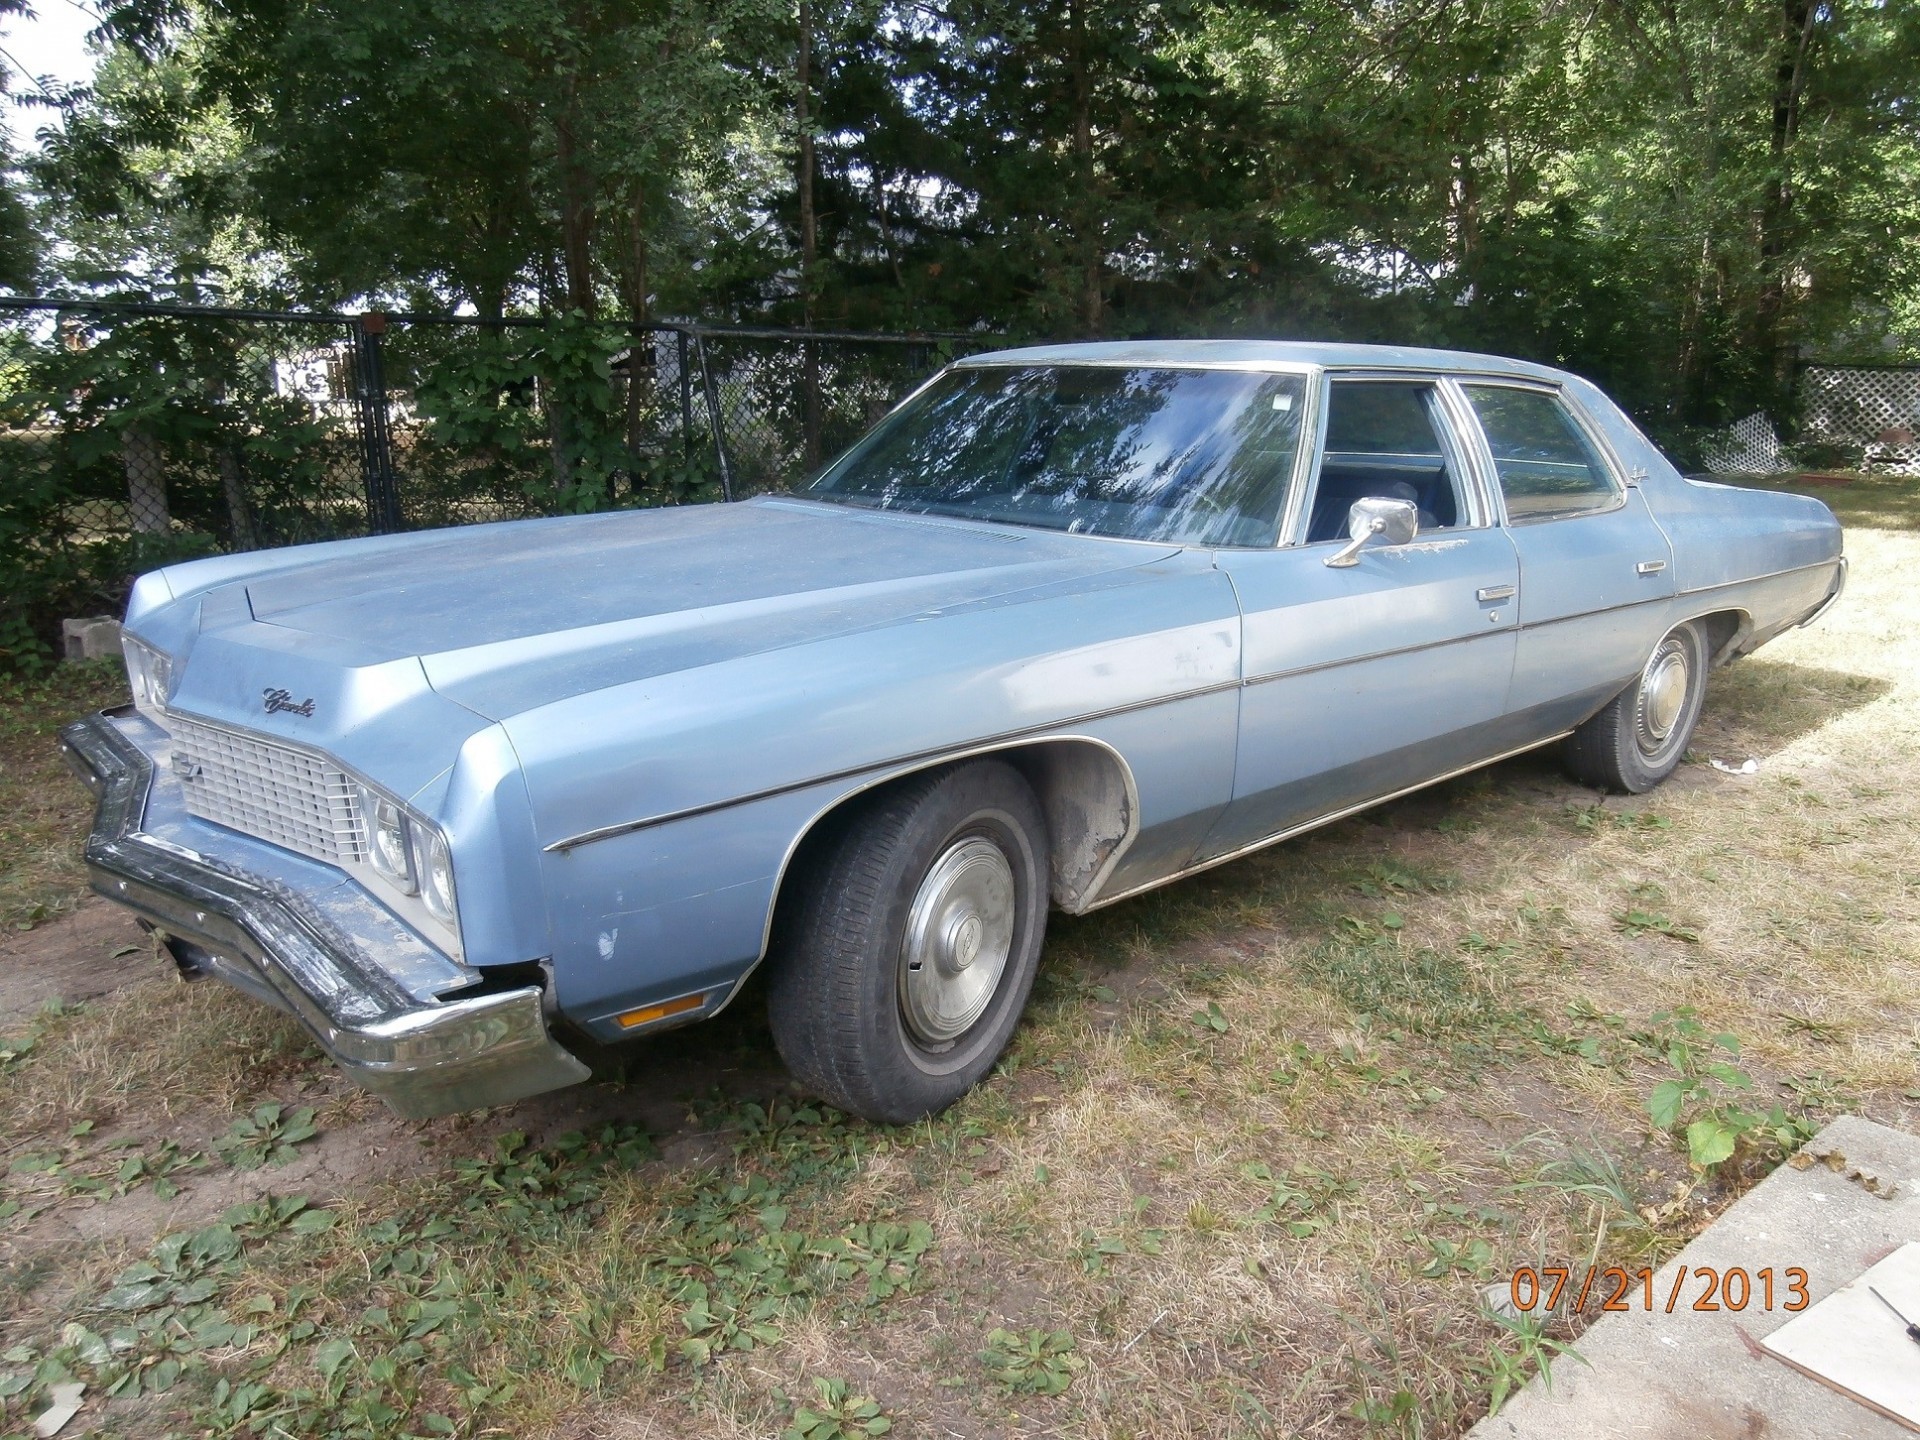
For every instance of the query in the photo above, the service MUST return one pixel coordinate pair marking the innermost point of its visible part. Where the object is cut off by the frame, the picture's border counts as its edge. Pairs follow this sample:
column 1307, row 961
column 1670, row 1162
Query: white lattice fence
column 1747, row 448
column 1873, row 407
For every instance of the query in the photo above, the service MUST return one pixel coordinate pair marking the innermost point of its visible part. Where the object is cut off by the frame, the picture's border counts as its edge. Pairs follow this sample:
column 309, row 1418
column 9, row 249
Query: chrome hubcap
column 959, row 935
column 1663, row 694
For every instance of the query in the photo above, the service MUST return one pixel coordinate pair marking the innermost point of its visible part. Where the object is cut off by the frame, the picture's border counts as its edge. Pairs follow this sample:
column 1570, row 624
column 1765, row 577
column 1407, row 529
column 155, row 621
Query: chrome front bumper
column 422, row 1056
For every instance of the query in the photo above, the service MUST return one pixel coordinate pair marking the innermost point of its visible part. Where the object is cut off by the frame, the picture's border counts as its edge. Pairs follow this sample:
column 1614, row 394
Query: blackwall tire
column 1641, row 736
column 906, row 953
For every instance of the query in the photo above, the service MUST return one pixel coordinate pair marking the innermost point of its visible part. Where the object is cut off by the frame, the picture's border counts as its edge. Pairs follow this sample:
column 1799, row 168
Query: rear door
column 1596, row 569
column 1365, row 680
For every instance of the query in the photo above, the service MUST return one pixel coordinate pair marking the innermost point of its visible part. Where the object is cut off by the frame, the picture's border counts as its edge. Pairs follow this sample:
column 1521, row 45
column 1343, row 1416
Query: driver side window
column 1384, row 441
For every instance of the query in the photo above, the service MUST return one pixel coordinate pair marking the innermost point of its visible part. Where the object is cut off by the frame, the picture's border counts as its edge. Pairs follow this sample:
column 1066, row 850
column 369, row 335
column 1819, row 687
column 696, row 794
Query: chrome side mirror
column 1392, row 522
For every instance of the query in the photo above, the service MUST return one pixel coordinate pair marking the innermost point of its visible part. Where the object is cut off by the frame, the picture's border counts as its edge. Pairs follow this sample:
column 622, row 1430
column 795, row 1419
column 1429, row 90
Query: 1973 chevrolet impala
column 1070, row 623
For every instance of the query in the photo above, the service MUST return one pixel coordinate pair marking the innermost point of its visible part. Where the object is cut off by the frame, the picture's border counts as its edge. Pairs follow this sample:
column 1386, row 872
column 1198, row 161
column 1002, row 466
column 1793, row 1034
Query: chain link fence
column 789, row 404
column 134, row 435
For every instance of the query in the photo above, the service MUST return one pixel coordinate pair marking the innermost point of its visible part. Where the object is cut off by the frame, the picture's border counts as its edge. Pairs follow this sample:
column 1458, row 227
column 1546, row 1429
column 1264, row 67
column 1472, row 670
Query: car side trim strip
column 1271, row 676
column 1315, row 669
column 1038, row 732
column 1770, row 575
column 918, row 757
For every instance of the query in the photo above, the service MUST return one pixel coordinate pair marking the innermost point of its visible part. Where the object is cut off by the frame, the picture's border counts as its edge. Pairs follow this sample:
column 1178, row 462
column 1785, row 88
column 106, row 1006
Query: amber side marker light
column 646, row 1015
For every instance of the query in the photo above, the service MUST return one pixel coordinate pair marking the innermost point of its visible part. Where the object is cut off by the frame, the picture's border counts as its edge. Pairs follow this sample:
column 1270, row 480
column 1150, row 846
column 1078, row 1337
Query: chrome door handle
column 1495, row 592
column 1650, row 567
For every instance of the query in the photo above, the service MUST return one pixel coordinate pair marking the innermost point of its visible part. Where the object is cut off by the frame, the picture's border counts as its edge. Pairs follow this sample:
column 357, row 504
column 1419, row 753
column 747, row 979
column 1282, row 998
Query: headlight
column 389, row 849
column 149, row 675
column 409, row 856
column 435, row 868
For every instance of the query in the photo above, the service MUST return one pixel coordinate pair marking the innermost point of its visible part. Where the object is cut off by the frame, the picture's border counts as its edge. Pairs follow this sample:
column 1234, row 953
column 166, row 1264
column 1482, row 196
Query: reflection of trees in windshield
column 1086, row 437
column 1189, row 456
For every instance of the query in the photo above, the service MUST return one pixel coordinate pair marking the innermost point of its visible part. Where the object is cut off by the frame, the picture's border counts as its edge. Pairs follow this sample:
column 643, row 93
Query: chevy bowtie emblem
column 278, row 700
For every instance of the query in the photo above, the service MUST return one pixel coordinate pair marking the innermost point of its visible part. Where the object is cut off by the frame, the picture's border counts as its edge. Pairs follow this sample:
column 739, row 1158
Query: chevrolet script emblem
column 278, row 700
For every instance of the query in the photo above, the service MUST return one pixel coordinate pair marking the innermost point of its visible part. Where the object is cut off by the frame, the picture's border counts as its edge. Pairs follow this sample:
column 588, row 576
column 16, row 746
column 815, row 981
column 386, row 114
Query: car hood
column 503, row 618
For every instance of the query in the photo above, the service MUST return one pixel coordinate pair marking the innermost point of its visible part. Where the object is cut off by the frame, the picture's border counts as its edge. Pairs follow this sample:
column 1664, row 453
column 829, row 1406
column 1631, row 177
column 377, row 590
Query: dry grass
column 151, row 1052
column 43, row 819
column 1279, row 1226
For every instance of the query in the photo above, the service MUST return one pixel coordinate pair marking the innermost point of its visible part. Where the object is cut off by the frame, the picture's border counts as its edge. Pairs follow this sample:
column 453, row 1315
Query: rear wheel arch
column 1726, row 631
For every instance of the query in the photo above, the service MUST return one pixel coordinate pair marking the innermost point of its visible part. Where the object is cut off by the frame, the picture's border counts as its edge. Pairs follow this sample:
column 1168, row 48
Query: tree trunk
column 640, row 344
column 886, row 229
column 1684, row 401
column 576, row 217
column 1466, row 222
column 1092, row 262
column 809, row 244
column 634, row 276
column 146, row 481
column 803, row 121
column 233, row 486
column 1772, row 342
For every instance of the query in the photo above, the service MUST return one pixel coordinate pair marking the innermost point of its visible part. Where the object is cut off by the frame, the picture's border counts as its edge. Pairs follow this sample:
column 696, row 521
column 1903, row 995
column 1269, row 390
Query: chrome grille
column 286, row 796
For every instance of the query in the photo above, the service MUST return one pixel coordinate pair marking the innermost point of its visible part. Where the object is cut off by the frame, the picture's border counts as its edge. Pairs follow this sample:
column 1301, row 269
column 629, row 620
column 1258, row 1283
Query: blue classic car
column 1070, row 623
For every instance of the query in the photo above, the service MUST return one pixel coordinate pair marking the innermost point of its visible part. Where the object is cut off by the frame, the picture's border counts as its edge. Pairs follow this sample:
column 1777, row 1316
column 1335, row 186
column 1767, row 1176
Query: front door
column 1366, row 680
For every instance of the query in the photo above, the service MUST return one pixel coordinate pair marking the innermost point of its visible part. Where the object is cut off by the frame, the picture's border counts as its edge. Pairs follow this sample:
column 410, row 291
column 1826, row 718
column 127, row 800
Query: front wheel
column 1639, row 738
column 909, row 948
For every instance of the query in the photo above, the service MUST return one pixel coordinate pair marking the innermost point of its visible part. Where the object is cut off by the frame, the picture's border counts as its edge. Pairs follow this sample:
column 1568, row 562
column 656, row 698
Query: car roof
column 1254, row 354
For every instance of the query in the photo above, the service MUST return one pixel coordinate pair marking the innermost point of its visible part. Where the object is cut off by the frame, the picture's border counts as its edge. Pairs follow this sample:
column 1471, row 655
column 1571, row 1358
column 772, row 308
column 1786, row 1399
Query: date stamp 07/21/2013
column 1699, row 1287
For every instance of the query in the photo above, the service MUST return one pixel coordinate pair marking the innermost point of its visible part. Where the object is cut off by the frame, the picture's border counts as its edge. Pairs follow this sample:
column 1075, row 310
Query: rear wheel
column 909, row 948
column 1639, row 738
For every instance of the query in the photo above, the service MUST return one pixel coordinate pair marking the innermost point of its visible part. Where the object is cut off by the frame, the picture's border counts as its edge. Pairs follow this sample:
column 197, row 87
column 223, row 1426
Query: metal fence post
column 376, row 437
column 713, row 417
column 809, row 405
column 686, row 396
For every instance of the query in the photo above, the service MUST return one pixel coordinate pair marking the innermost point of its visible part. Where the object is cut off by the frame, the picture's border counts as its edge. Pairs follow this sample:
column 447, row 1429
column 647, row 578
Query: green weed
column 1504, row 1370
column 266, row 1137
column 836, row 1413
column 1703, row 1095
column 1031, row 1362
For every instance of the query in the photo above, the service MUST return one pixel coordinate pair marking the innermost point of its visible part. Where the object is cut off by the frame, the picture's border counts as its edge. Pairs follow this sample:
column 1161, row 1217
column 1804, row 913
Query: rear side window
column 1547, row 466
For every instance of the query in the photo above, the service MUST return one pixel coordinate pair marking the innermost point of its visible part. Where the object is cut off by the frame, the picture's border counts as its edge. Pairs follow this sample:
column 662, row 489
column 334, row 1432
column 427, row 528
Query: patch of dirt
column 370, row 1146
column 337, row 1162
column 655, row 1086
column 69, row 959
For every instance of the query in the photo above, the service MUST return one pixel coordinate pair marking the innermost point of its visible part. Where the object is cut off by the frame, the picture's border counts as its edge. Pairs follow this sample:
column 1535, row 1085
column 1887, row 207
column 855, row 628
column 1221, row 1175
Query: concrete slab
column 1701, row 1374
column 95, row 638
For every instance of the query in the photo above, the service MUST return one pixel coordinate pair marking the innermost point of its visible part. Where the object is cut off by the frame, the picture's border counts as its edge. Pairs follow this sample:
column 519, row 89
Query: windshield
column 1194, row 457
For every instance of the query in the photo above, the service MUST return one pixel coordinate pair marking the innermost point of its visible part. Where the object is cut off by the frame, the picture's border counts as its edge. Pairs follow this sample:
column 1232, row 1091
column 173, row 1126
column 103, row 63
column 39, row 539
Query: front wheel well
column 1086, row 793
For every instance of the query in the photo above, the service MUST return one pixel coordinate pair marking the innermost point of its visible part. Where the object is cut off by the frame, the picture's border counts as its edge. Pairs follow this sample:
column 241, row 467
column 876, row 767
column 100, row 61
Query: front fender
column 666, row 810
